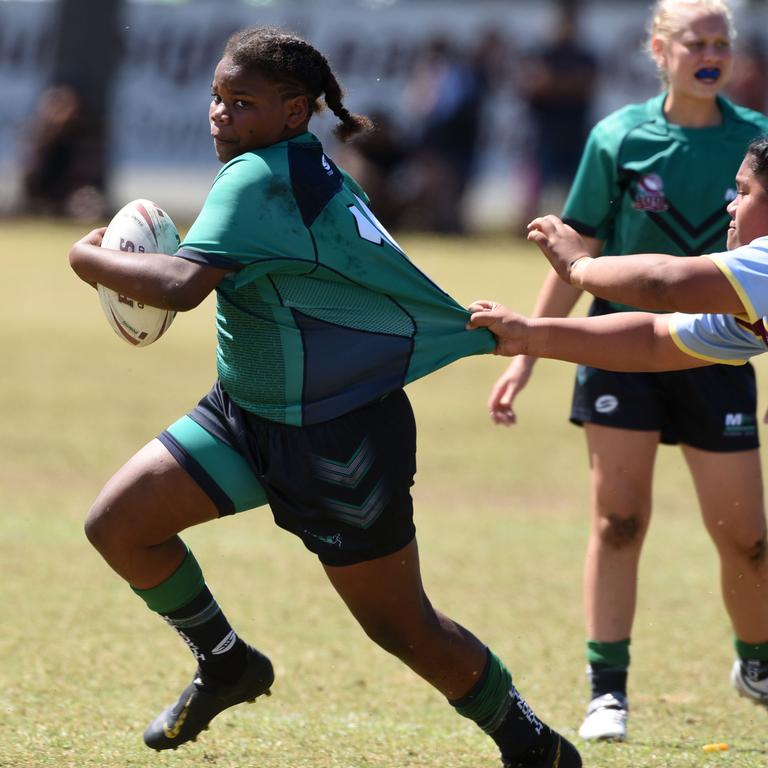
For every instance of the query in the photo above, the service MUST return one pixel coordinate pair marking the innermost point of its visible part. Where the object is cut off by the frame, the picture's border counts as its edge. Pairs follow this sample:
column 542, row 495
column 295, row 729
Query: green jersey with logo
column 322, row 312
column 645, row 185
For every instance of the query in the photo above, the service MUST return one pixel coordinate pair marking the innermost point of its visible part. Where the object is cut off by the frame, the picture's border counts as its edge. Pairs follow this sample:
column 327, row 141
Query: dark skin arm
column 156, row 279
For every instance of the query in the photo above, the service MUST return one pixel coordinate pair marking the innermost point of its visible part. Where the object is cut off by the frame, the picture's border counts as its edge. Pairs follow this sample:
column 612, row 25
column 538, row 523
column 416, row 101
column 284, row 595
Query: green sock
column 180, row 588
column 609, row 654
column 496, row 706
column 608, row 667
column 751, row 651
column 187, row 605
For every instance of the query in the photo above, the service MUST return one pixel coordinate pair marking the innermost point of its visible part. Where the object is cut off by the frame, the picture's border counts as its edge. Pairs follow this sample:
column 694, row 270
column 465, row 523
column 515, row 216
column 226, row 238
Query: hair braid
column 299, row 67
column 350, row 123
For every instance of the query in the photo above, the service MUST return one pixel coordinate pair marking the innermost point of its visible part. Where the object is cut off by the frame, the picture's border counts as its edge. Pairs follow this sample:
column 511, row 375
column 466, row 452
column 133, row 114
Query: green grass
column 502, row 519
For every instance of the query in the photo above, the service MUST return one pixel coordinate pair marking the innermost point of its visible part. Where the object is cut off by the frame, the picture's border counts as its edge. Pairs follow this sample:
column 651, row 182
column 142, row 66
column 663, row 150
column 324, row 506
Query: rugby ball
column 138, row 227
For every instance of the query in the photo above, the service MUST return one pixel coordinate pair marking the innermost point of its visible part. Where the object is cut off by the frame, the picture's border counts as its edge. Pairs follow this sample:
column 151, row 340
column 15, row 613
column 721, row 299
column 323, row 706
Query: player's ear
column 297, row 111
column 658, row 50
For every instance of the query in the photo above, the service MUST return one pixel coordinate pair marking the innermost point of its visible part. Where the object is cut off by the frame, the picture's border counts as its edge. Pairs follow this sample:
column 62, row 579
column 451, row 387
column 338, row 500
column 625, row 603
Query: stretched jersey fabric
column 645, row 185
column 729, row 338
column 322, row 311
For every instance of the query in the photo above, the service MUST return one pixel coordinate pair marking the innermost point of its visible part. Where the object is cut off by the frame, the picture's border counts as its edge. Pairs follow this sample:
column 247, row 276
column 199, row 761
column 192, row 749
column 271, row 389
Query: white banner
column 159, row 131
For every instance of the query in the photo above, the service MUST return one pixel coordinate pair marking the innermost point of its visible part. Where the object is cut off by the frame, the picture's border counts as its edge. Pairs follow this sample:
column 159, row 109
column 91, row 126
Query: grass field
column 502, row 520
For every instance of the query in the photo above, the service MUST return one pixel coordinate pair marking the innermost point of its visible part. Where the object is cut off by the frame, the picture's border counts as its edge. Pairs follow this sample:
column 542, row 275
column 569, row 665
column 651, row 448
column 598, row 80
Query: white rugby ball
column 143, row 227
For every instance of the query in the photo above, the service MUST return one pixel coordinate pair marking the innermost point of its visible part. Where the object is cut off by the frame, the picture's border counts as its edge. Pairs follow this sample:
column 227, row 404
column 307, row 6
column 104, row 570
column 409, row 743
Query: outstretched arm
column 624, row 341
column 556, row 299
column 650, row 281
column 157, row 279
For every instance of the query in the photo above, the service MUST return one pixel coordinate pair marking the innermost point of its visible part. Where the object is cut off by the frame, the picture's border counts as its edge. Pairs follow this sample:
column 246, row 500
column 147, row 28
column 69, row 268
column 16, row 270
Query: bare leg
column 621, row 462
column 387, row 598
column 730, row 491
column 134, row 521
column 134, row 524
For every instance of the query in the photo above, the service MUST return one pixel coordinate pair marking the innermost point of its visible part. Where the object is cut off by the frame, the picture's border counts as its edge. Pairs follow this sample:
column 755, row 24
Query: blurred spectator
column 61, row 172
column 494, row 57
column 444, row 97
column 749, row 83
column 557, row 82
column 376, row 160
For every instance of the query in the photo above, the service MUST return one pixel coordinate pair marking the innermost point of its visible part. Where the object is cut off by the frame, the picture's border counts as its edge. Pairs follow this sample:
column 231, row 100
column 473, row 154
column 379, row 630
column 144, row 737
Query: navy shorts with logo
column 711, row 408
column 342, row 486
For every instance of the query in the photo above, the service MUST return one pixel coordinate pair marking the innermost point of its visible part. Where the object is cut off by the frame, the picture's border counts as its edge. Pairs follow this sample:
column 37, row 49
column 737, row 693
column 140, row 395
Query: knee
column 758, row 552
column 97, row 528
column 747, row 543
column 752, row 550
column 620, row 531
column 104, row 526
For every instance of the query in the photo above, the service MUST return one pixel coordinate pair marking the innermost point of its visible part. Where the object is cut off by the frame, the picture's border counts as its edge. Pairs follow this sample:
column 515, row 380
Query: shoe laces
column 615, row 700
column 755, row 670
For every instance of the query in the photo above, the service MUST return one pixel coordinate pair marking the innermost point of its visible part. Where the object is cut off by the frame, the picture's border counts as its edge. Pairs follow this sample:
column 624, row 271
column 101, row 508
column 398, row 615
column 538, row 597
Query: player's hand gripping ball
column 140, row 226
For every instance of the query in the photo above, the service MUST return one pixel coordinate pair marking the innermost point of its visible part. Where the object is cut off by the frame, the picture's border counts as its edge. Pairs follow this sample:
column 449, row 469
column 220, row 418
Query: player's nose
column 218, row 113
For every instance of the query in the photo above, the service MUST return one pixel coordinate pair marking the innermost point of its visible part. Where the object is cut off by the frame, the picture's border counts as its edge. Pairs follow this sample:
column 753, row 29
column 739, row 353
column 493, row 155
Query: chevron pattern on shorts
column 363, row 515
column 348, row 474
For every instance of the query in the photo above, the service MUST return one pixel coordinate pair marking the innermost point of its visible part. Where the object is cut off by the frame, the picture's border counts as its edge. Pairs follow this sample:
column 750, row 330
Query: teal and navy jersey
column 645, row 185
column 322, row 311
column 731, row 339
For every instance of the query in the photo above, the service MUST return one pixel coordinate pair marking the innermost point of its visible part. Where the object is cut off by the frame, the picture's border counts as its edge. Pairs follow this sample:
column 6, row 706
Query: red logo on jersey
column 649, row 194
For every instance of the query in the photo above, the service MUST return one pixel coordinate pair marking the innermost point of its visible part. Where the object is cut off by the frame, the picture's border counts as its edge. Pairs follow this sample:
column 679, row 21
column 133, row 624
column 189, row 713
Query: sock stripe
column 199, row 618
column 494, row 722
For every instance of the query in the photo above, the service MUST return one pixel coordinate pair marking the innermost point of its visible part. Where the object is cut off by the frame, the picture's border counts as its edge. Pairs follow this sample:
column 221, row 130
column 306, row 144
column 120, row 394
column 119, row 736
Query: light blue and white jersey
column 731, row 339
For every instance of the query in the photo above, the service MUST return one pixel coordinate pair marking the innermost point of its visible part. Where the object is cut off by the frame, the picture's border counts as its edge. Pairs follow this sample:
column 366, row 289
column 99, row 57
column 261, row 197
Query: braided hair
column 298, row 68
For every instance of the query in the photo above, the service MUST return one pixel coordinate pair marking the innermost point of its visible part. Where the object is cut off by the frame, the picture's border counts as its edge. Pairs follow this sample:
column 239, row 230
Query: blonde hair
column 669, row 17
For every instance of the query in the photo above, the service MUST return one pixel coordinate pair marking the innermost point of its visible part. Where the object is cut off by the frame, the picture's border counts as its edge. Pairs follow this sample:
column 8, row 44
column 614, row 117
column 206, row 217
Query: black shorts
column 342, row 486
column 712, row 408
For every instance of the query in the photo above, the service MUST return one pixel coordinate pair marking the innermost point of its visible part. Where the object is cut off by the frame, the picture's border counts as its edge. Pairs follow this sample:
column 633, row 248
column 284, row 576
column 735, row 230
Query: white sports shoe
column 749, row 685
column 606, row 718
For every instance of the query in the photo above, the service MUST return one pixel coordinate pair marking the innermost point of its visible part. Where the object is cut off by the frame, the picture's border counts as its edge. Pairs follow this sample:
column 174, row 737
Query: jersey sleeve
column 717, row 338
column 595, row 192
column 353, row 184
column 250, row 223
column 746, row 268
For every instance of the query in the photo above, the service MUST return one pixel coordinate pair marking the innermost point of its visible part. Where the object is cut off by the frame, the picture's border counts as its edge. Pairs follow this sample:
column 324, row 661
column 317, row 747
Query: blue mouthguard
column 708, row 74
